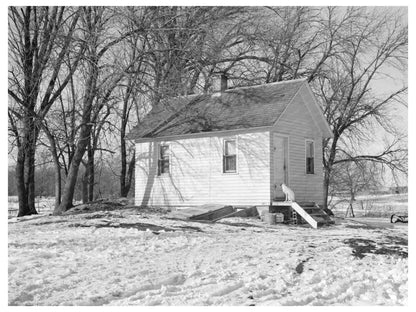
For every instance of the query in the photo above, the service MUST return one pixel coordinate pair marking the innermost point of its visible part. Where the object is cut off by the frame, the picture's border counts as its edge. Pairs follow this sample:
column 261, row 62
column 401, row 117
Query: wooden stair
column 307, row 212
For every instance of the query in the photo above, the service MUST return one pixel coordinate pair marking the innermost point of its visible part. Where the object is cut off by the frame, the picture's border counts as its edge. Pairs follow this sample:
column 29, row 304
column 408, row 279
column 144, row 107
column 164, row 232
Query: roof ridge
column 186, row 96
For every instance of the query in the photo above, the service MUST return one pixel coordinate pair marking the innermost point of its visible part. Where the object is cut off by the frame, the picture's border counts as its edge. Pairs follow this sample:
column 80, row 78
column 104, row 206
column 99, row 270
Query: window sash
column 230, row 147
column 163, row 166
column 310, row 157
column 164, row 149
column 163, row 161
column 229, row 162
column 310, row 165
column 310, row 149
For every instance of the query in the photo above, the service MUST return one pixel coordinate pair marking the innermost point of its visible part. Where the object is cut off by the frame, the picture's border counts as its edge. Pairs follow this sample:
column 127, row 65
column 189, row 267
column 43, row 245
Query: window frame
column 307, row 167
column 225, row 140
column 160, row 160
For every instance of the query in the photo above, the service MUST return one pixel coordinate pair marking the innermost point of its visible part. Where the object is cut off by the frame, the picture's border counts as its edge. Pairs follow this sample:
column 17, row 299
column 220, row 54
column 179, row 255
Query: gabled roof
column 239, row 108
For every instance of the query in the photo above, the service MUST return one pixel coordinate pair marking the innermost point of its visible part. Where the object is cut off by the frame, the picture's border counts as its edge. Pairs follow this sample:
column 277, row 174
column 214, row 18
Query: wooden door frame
column 287, row 147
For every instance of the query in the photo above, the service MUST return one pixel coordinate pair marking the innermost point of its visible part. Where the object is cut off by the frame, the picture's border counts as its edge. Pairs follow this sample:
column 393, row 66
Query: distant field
column 372, row 205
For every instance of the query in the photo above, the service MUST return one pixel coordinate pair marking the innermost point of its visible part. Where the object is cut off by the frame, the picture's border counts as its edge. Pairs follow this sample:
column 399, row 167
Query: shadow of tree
column 241, row 224
column 140, row 227
column 361, row 247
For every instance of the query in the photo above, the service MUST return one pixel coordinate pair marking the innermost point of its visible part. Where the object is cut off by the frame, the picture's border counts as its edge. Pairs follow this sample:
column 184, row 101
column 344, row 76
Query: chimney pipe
column 224, row 82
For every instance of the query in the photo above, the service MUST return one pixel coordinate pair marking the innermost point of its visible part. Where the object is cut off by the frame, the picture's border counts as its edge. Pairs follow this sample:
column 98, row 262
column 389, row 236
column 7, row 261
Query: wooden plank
column 312, row 222
column 191, row 212
column 215, row 214
column 239, row 213
column 244, row 212
column 307, row 204
column 281, row 203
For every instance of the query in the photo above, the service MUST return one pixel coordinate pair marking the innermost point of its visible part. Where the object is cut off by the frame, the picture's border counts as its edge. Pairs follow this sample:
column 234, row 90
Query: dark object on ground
column 395, row 218
column 299, row 267
column 328, row 212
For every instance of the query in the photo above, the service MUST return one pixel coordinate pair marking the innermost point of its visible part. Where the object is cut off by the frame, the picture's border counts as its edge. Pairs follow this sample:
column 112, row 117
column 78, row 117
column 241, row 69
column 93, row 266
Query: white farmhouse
column 232, row 148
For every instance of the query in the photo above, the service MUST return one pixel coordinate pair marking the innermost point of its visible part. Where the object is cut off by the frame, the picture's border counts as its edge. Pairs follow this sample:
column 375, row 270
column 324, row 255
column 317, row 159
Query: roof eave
column 202, row 134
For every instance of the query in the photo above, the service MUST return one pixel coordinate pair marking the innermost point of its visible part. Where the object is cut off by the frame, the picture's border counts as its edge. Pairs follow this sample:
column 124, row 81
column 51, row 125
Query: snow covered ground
column 133, row 257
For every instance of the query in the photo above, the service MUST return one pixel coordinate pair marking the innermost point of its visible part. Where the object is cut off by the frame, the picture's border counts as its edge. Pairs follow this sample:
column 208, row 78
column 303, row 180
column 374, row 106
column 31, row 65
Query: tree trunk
column 328, row 163
column 57, row 186
column 90, row 172
column 123, row 149
column 123, row 166
column 25, row 169
column 25, row 180
column 20, row 184
column 326, row 187
column 58, row 182
column 125, row 181
column 57, row 167
column 350, row 210
column 130, row 172
column 84, row 186
column 69, row 187
column 30, row 180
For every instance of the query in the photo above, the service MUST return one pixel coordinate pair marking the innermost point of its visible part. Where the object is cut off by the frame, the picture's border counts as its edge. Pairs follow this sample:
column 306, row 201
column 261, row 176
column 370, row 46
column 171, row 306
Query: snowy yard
column 133, row 257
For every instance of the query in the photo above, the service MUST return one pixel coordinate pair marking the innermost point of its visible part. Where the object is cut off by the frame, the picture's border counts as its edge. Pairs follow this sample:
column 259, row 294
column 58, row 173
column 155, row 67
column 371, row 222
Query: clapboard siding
column 196, row 175
column 300, row 123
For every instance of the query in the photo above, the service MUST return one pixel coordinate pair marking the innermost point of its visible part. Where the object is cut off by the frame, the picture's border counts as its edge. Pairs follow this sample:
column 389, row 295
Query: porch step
column 307, row 204
column 303, row 212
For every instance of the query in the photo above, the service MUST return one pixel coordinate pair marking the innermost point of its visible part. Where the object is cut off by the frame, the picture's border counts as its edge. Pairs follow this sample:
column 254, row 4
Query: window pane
column 310, row 165
column 309, row 149
column 164, row 166
column 230, row 148
column 230, row 163
column 164, row 151
column 163, row 159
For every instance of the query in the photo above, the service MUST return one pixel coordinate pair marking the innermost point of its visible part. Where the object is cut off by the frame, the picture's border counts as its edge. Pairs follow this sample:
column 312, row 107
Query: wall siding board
column 196, row 175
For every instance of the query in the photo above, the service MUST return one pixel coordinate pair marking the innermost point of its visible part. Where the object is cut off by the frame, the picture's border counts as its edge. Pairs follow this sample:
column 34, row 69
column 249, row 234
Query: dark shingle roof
column 239, row 108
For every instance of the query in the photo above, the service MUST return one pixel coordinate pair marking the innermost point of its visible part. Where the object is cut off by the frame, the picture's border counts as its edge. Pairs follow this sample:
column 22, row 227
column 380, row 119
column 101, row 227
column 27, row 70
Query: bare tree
column 101, row 77
column 40, row 39
column 353, row 177
column 170, row 59
column 374, row 40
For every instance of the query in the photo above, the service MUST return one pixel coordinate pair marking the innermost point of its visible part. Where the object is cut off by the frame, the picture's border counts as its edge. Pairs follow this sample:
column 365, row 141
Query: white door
column 280, row 164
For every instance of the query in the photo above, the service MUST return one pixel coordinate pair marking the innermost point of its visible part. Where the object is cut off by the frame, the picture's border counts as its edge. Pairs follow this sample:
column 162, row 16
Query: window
column 163, row 161
column 230, row 156
column 310, row 152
